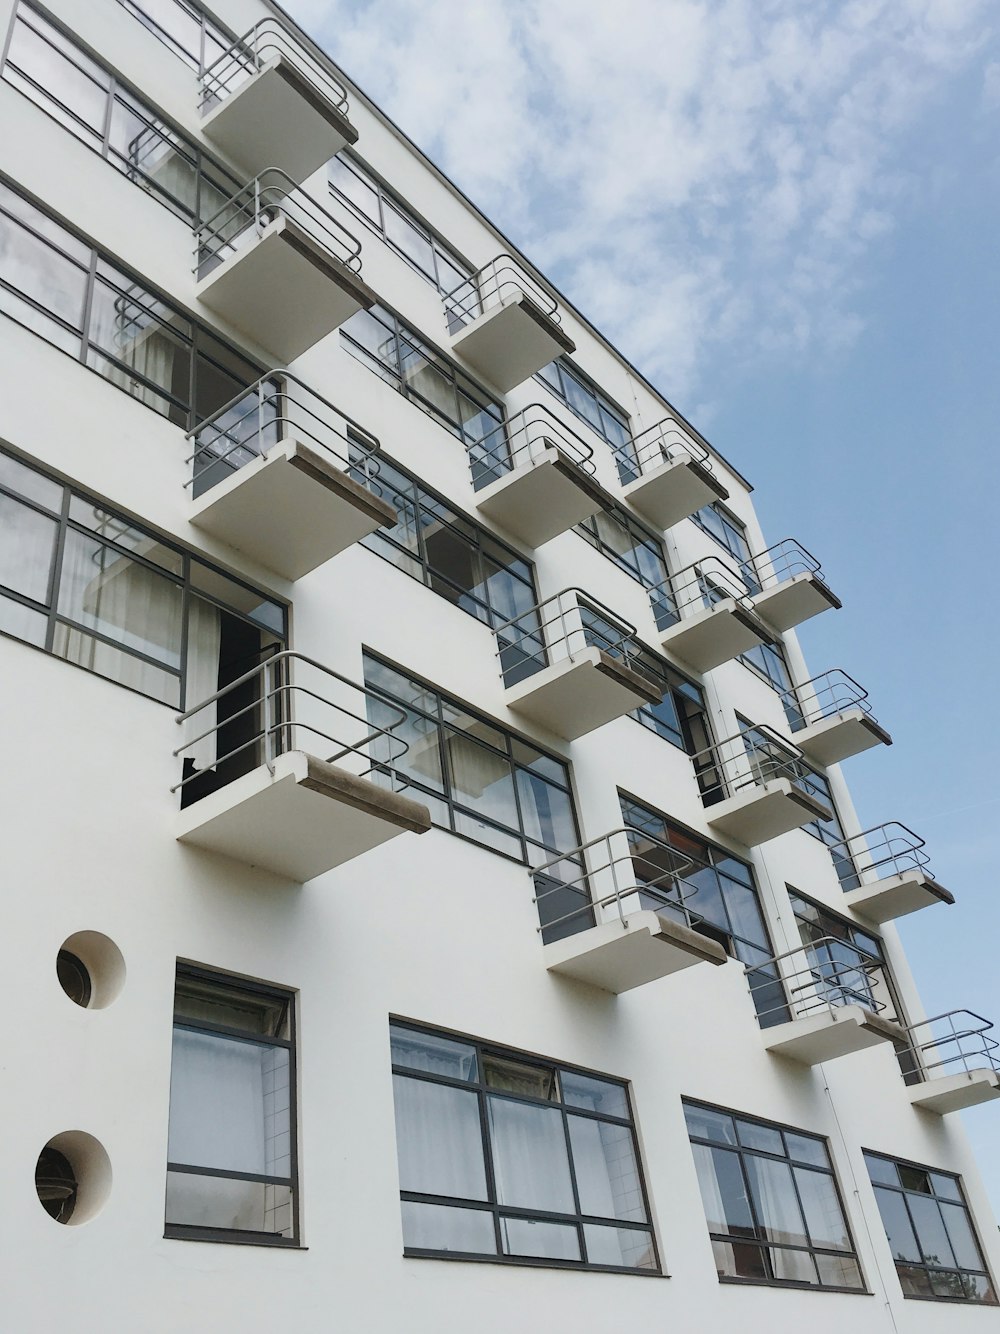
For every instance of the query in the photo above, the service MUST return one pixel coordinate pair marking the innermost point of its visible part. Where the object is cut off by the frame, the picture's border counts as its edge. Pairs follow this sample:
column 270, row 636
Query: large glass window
column 88, row 585
column 420, row 373
column 867, row 983
column 771, row 1200
column 637, row 551
column 585, row 400
column 55, row 284
column 727, row 530
column 84, row 96
column 930, row 1232
column 231, row 1148
column 511, row 1157
column 183, row 28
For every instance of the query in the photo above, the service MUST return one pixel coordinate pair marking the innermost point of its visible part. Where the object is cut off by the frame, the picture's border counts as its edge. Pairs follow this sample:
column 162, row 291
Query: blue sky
column 785, row 212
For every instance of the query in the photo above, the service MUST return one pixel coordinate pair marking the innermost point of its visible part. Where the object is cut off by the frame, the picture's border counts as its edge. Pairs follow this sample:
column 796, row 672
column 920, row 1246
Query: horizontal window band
column 185, row 1169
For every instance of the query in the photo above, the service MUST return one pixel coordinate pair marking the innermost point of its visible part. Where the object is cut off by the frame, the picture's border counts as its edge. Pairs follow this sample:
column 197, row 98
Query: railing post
column 266, row 713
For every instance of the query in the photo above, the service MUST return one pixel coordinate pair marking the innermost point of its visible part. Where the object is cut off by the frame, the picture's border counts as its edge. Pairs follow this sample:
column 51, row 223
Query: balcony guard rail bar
column 266, row 40
column 702, row 584
column 562, row 627
column 958, row 1037
column 533, row 428
column 824, row 696
column 497, row 281
column 663, row 442
column 779, row 563
column 671, row 896
column 252, row 209
column 754, row 756
column 279, row 406
column 815, row 982
column 885, row 850
column 277, row 728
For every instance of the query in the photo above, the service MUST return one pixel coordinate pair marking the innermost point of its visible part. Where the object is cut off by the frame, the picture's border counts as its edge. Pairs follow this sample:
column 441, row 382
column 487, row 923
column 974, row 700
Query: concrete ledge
column 760, row 813
column 896, row 896
column 618, row 956
column 673, row 490
column 839, row 736
column 953, row 1093
column 796, row 600
column 573, row 696
column 714, row 635
column 538, row 500
column 511, row 341
column 826, row 1037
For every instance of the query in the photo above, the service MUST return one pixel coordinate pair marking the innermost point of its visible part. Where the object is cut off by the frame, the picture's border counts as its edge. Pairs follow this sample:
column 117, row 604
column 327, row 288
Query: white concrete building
column 428, row 866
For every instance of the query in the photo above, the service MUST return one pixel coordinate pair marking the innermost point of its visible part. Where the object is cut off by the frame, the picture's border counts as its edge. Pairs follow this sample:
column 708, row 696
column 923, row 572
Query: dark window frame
column 209, row 27
column 554, row 377
column 739, row 548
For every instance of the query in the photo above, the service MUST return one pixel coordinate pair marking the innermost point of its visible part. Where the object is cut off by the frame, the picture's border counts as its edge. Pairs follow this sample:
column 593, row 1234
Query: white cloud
column 701, row 177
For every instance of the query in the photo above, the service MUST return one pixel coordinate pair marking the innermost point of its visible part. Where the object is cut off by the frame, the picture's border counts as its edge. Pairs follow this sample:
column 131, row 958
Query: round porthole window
column 55, row 1182
column 74, row 978
column 90, row 969
column 73, row 1177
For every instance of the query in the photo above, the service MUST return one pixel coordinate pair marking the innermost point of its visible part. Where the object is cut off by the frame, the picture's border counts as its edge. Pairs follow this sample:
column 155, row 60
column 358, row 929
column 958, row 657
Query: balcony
column 535, row 477
column 271, row 477
column 667, row 475
column 787, row 585
column 755, row 787
column 890, row 869
column 951, row 1062
column 279, row 267
column 705, row 615
column 830, row 1007
column 505, row 324
column 568, row 665
column 269, row 100
column 277, row 770
column 615, row 913
column 831, row 718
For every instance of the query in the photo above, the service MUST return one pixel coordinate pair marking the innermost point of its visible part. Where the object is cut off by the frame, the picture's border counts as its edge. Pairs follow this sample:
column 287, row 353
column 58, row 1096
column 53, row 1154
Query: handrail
column 663, row 442
column 269, row 195
column 672, row 898
column 752, row 757
column 501, row 279
column 702, row 585
column 267, row 40
column 779, row 563
column 973, row 1047
column 523, row 438
column 824, row 696
column 276, row 731
column 820, row 984
column 575, row 634
column 279, row 406
column 886, row 850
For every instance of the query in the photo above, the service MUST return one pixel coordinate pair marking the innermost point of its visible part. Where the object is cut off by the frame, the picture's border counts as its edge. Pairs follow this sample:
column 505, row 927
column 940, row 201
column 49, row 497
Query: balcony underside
column 617, row 956
column 574, row 696
column 824, row 1037
column 306, row 818
column 896, row 896
column 840, row 736
column 714, row 635
column 759, row 813
column 284, row 290
column 953, row 1093
column 511, row 342
column 674, row 490
column 291, row 510
column 541, row 499
column 796, row 600
column 279, row 118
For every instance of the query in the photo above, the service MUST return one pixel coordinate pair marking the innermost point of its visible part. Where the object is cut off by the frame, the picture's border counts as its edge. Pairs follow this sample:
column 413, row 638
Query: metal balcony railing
column 522, row 439
column 753, row 757
column 698, row 586
column 664, row 442
column 262, row 201
column 824, row 696
column 278, row 407
column 883, row 851
column 287, row 702
column 959, row 1040
column 625, row 871
column 779, row 563
column 501, row 280
column 818, row 979
column 267, row 40
column 562, row 628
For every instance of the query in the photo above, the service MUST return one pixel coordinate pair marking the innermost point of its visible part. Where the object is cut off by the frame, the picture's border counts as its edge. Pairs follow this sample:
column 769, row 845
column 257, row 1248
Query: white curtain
column 606, row 1175
column 217, row 1104
column 202, row 678
column 530, row 1160
column 439, row 1143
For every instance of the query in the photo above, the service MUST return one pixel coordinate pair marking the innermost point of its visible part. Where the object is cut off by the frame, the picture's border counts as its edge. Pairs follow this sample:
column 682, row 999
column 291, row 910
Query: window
column 635, row 550
column 772, row 1204
column 420, row 373
column 509, row 1157
column 56, row 285
column 478, row 780
column 89, row 101
column 868, row 984
column 585, row 400
column 930, row 1232
column 88, row 585
column 183, row 28
column 387, row 215
column 727, row 530
column 231, row 1148
column 830, row 832
column 720, row 889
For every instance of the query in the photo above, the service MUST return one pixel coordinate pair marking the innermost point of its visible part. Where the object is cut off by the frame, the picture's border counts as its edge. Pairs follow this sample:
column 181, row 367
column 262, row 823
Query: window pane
column 439, row 1143
column 137, row 332
column 221, row 1202
column 881, row 1170
column 351, row 181
column 20, row 621
column 118, row 530
column 547, row 812
column 481, row 779
column 723, row 1191
column 547, row 1241
column 754, row 1136
column 532, row 1081
column 229, row 1104
column 607, row 1177
column 804, row 1149
column 793, row 1266
column 739, row 1260
column 594, row 1095
column 123, row 668
column 41, row 273
column 529, row 1156
column 946, row 1187
column 898, row 1229
column 406, row 237
column 488, row 836
column 628, row 1248
column 197, row 998
column 30, row 484
column 706, row 1124
column 432, row 1054
column 27, row 542
column 54, row 71
column 775, row 1202
column 152, row 155
column 435, row 1227
column 963, row 1243
column 820, row 1204
column 933, row 1239
column 838, row 1271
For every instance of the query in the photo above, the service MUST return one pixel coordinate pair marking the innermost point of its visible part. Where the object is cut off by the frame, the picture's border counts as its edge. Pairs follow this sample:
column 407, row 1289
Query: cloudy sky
column 786, row 213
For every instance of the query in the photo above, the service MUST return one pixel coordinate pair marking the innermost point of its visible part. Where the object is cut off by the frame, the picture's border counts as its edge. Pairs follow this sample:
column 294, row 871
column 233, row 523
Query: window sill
column 792, row 1287
column 522, row 1262
column 232, row 1239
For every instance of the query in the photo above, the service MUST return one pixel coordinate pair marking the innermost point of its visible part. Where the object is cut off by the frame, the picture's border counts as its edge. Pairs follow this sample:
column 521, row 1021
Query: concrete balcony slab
column 573, row 696
column 511, row 341
column 618, row 956
column 758, row 813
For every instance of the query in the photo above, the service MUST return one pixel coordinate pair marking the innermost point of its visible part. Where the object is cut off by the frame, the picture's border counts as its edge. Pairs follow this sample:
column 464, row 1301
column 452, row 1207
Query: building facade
column 428, row 857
